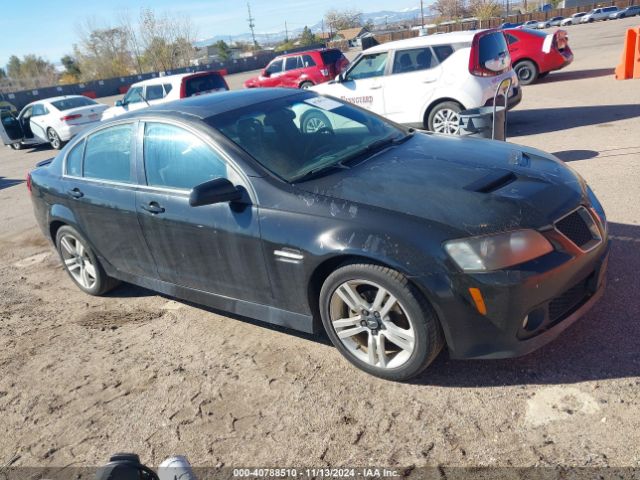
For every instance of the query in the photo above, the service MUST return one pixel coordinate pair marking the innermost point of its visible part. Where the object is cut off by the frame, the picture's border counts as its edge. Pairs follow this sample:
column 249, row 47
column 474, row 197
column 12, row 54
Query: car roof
column 212, row 104
column 444, row 38
column 315, row 50
column 173, row 79
column 55, row 99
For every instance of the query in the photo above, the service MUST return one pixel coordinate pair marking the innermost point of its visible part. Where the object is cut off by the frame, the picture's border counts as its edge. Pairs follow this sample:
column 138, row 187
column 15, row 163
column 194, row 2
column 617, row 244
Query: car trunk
column 82, row 115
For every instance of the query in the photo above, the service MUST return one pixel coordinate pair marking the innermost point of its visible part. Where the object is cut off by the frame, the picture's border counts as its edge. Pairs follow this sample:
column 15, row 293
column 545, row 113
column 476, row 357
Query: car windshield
column 304, row 135
column 75, row 102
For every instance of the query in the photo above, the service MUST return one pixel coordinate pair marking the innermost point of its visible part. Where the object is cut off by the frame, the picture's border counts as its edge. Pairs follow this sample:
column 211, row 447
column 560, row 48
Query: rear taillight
column 66, row 118
column 29, row 181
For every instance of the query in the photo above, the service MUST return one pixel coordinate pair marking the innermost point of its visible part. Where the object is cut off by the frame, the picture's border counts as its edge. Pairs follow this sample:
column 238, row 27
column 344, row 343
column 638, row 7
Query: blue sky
column 49, row 28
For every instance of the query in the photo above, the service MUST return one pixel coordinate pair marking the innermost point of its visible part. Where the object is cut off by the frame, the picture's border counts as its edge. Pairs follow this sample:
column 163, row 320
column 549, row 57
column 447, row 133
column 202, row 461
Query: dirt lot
column 83, row 377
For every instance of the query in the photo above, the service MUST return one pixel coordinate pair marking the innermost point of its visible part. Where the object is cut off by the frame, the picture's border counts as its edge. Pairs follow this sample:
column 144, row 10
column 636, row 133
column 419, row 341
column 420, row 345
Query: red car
column 534, row 53
column 301, row 69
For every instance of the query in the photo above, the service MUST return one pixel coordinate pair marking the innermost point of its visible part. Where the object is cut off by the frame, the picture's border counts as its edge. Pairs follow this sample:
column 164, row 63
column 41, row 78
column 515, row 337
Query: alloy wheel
column 53, row 138
column 77, row 261
column 446, row 121
column 314, row 124
column 372, row 324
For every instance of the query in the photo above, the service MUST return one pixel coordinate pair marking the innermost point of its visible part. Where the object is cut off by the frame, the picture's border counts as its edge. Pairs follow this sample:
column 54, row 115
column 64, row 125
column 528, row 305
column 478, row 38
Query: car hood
column 475, row 186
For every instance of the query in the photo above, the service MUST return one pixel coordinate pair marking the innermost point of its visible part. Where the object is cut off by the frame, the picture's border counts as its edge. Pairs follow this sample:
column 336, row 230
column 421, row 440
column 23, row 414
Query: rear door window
column 204, row 84
column 413, row 60
column 293, row 63
column 74, row 160
column 176, row 158
column 308, row 61
column 154, row 92
column 443, row 51
column 369, row 66
column 108, row 154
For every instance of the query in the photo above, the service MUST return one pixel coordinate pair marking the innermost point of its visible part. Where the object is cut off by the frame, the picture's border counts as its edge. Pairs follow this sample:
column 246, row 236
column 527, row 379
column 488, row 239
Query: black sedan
column 397, row 243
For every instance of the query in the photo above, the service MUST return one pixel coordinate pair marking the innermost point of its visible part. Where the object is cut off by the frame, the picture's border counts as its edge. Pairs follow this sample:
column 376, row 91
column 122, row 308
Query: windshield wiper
column 375, row 147
column 370, row 149
column 316, row 172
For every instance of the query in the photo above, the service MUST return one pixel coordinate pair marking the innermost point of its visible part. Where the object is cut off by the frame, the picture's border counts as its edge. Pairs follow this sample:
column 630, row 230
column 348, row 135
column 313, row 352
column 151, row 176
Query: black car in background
column 396, row 243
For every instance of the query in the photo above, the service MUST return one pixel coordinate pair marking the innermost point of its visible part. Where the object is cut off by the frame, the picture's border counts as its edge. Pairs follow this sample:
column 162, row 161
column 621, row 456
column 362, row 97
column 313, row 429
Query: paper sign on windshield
column 323, row 103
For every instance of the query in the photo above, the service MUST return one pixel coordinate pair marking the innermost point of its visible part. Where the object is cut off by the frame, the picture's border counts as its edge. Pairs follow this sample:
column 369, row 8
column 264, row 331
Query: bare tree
column 341, row 19
column 450, row 9
column 485, row 9
column 102, row 51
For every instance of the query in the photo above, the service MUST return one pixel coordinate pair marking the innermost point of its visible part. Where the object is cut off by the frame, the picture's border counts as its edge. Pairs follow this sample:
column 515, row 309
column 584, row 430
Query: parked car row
column 424, row 82
column 597, row 14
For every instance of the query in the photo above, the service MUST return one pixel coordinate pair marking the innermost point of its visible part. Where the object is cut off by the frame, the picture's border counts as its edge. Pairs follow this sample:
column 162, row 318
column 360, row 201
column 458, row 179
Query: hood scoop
column 493, row 181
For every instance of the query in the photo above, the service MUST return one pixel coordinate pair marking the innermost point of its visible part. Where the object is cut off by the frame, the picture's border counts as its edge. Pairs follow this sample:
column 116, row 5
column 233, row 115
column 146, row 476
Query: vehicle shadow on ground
column 9, row 182
column 601, row 345
column 574, row 155
column 544, row 120
column 576, row 75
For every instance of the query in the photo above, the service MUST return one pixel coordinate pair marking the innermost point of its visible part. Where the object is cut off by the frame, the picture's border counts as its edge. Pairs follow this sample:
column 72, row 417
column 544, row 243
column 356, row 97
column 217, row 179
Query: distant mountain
column 379, row 18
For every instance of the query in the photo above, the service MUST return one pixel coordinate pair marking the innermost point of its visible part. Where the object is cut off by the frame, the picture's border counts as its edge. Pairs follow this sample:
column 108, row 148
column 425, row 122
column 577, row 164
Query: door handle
column 75, row 193
column 430, row 80
column 152, row 207
column 375, row 87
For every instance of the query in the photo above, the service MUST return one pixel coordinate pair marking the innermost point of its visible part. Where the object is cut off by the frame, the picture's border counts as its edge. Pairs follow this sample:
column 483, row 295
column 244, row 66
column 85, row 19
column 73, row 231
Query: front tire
column 313, row 121
column 16, row 146
column 305, row 85
column 379, row 321
column 81, row 263
column 445, row 118
column 54, row 139
column 527, row 72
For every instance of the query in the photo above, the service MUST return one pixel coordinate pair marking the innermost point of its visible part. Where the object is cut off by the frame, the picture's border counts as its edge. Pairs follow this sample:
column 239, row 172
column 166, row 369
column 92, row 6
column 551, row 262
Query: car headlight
column 494, row 252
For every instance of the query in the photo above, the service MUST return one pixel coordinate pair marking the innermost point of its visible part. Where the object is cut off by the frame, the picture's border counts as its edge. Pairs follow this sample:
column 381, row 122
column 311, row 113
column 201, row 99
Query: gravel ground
column 83, row 377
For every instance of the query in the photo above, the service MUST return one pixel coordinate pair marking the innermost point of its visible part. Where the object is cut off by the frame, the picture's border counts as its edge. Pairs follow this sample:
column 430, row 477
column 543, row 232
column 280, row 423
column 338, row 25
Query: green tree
column 13, row 67
column 71, row 66
column 223, row 50
column 3, row 74
column 307, row 37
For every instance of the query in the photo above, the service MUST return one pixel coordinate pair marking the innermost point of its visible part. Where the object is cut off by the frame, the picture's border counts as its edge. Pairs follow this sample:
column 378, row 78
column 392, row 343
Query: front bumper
column 552, row 293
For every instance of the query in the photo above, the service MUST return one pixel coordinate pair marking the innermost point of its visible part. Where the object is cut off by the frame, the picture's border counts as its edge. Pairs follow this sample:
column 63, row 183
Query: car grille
column 580, row 228
column 563, row 305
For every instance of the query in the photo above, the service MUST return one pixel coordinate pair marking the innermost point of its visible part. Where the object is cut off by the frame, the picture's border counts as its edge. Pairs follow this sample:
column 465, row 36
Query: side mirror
column 218, row 190
column 119, row 103
column 340, row 78
column 266, row 73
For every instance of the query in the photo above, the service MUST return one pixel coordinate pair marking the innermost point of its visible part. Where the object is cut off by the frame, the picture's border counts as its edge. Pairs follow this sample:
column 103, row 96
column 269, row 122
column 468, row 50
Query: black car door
column 213, row 248
column 99, row 182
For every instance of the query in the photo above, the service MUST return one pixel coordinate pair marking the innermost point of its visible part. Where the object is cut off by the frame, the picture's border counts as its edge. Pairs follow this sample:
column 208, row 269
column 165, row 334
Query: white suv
column 166, row 89
column 598, row 14
column 425, row 82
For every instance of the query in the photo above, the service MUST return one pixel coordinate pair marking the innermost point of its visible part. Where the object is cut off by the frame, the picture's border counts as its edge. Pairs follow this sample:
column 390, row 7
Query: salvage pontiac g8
column 397, row 243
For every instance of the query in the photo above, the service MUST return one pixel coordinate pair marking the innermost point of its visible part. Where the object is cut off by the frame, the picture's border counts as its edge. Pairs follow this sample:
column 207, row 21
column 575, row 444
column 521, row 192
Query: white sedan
column 53, row 120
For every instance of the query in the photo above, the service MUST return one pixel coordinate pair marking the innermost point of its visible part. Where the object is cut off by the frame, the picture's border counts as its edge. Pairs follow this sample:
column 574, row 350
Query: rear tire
column 81, row 264
column 54, row 139
column 527, row 72
column 444, row 118
column 305, row 85
column 16, row 146
column 381, row 308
